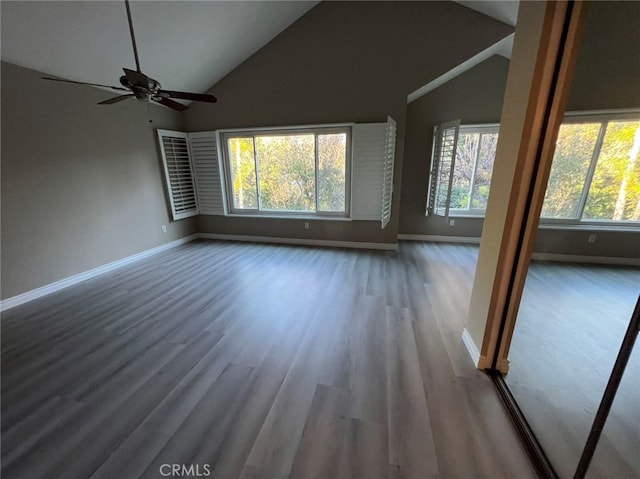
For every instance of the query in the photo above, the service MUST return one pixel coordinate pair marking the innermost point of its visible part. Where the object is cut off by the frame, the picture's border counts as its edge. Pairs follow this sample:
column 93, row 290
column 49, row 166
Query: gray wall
column 607, row 73
column 342, row 62
column 473, row 97
column 81, row 183
column 616, row 244
column 607, row 76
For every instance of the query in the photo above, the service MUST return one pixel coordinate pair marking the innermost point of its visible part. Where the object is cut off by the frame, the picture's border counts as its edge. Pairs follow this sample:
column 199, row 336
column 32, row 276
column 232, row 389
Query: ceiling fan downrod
column 133, row 36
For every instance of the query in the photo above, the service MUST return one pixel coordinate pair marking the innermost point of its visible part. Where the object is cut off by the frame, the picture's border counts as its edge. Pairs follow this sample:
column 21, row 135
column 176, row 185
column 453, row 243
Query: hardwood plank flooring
column 262, row 361
column 571, row 321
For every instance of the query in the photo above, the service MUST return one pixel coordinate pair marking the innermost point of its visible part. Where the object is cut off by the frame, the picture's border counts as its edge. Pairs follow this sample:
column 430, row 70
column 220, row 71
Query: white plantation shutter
column 208, row 172
column 373, row 146
column 445, row 142
column 389, row 159
column 178, row 173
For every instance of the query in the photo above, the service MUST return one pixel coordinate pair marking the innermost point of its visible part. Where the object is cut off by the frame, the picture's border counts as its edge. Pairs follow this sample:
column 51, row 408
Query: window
column 475, row 153
column 287, row 171
column 594, row 178
column 461, row 169
column 595, row 175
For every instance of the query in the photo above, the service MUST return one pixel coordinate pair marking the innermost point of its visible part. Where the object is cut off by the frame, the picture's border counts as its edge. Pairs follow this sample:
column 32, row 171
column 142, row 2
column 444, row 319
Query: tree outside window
column 289, row 172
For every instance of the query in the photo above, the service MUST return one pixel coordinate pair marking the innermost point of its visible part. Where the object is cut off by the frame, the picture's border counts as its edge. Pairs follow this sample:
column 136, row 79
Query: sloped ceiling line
column 502, row 48
column 186, row 46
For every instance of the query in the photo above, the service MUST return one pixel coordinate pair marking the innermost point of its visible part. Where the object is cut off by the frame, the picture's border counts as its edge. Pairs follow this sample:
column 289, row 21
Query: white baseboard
column 570, row 258
column 473, row 351
column 17, row 300
column 301, row 241
column 564, row 258
column 92, row 273
column 474, row 354
column 440, row 239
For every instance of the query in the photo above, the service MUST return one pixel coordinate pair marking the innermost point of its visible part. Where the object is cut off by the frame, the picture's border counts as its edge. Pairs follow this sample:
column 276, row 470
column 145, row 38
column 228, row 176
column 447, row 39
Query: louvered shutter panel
column 445, row 142
column 178, row 173
column 373, row 147
column 433, row 173
column 389, row 159
column 367, row 170
column 208, row 172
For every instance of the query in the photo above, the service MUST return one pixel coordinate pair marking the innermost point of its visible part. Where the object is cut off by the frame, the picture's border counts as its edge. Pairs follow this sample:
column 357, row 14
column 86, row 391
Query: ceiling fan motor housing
column 142, row 92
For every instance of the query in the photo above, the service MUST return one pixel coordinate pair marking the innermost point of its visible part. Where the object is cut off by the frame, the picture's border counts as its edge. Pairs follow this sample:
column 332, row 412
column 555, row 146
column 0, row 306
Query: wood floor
column 570, row 327
column 260, row 361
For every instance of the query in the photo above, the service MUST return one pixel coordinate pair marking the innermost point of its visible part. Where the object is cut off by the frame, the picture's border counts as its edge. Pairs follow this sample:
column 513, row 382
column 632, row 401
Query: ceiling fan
column 141, row 86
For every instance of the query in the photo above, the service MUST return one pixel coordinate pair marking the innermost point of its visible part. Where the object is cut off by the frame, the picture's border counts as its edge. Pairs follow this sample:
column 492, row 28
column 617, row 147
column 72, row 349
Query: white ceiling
column 505, row 11
column 185, row 45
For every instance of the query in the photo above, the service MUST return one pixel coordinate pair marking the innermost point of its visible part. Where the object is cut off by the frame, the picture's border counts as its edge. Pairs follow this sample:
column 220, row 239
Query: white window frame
column 603, row 117
column 484, row 128
column 370, row 158
column 569, row 223
column 280, row 131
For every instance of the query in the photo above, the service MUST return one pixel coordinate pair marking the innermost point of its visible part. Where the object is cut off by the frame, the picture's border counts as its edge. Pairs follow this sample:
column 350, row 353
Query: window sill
column 626, row 228
column 466, row 216
column 623, row 228
column 291, row 217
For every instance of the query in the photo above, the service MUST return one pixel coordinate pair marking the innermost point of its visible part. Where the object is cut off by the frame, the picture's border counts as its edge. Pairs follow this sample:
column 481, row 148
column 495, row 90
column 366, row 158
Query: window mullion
column 255, row 162
column 315, row 153
column 591, row 170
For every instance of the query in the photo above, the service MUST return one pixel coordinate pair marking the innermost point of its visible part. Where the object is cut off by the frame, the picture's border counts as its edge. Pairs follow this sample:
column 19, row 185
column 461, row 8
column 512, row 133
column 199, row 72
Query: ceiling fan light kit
column 143, row 87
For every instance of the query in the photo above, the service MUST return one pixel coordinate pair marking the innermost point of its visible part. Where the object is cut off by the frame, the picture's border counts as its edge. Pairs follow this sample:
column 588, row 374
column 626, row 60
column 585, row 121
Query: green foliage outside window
column 286, row 169
column 613, row 190
column 332, row 160
column 285, row 179
column 471, row 181
column 589, row 180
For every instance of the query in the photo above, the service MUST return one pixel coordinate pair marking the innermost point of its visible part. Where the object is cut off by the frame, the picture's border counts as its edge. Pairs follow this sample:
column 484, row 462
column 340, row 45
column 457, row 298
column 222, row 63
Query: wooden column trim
column 555, row 61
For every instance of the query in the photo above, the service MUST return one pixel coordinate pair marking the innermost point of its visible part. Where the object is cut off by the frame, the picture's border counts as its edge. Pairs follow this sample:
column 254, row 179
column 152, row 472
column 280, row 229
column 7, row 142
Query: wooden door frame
column 553, row 72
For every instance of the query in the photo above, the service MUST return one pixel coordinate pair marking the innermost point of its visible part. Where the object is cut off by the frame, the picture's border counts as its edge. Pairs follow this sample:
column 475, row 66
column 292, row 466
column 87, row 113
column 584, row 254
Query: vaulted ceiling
column 186, row 45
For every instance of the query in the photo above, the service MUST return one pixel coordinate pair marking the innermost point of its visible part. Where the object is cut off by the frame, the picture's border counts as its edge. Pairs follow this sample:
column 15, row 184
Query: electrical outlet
column 306, row 225
column 164, row 228
column 452, row 222
column 592, row 238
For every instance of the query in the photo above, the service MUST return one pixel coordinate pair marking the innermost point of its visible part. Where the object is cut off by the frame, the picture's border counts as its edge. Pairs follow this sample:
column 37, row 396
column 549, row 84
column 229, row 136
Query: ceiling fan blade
column 115, row 99
column 172, row 104
column 189, row 96
column 136, row 78
column 84, row 83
